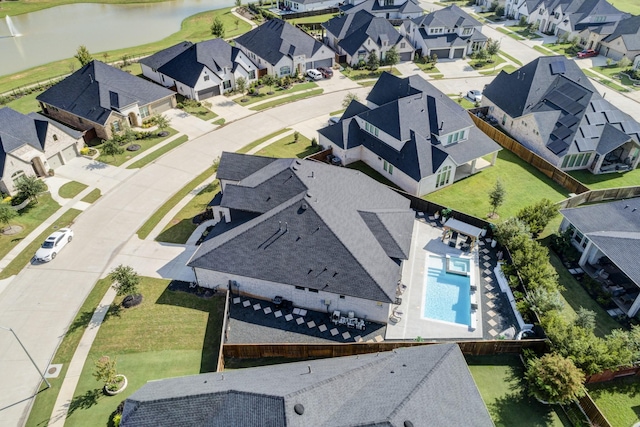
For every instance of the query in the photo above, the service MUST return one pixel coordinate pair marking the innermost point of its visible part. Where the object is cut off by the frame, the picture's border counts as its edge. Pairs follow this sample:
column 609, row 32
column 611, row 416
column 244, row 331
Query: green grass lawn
column 613, row 72
column 92, row 196
column 567, row 49
column 195, row 28
column 463, row 101
column 145, row 160
column 507, row 69
column 201, row 112
column 524, row 186
column 26, row 104
column 257, row 142
column 543, row 50
column 500, row 381
column 366, row 74
column 71, row 189
column 619, row 400
column 23, row 258
column 511, row 58
column 485, row 65
column 181, row 337
column 369, row 171
column 630, row 6
column 313, row 19
column 292, row 98
column 523, row 31
column 607, row 180
column 429, row 68
column 181, row 227
column 287, row 148
column 145, row 144
column 264, row 95
column 510, row 33
column 605, row 82
column 146, row 228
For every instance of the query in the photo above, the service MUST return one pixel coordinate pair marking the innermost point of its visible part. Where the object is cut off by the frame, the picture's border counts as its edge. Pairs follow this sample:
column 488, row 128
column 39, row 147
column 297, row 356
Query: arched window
column 443, row 176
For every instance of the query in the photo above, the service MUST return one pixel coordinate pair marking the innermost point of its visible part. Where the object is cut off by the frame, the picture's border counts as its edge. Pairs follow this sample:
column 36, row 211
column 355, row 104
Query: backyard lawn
column 524, row 185
column 619, row 400
column 287, row 148
column 500, row 381
column 170, row 334
column 607, row 180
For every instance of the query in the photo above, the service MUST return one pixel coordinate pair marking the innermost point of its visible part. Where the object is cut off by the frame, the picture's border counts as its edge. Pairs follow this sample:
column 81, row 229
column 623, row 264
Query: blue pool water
column 459, row 265
column 447, row 295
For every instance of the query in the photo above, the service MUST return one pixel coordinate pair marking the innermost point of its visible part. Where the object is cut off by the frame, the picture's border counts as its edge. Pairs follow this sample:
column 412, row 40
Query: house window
column 504, row 119
column 144, row 111
column 252, row 74
column 455, row 137
column 16, row 176
column 599, row 19
column 300, row 288
column 206, row 77
column 226, row 84
column 388, row 2
column 116, row 126
column 371, row 129
column 80, row 120
column 341, row 296
column 285, row 70
column 388, row 167
column 55, row 137
column 443, row 176
column 402, row 45
column 315, row 291
column 467, row 31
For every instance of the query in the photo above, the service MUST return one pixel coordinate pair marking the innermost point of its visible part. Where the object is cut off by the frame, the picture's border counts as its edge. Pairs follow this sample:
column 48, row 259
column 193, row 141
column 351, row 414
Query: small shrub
column 84, row 151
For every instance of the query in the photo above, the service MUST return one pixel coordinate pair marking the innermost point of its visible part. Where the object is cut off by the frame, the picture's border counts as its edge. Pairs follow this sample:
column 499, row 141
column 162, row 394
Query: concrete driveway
column 187, row 124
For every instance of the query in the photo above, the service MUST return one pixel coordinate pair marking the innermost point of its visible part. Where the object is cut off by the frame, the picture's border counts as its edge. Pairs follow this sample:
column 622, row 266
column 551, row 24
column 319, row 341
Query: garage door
column 406, row 56
column 69, row 153
column 162, row 107
column 54, row 161
column 323, row 63
column 440, row 53
column 458, row 53
column 209, row 92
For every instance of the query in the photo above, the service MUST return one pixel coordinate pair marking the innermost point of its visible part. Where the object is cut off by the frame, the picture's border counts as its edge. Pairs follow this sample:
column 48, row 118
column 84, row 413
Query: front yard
column 263, row 94
column 524, row 186
column 363, row 74
column 144, row 144
column 287, row 148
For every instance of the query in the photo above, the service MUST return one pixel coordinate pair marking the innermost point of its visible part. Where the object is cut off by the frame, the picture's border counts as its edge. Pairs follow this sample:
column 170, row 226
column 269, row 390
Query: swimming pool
column 447, row 295
column 457, row 265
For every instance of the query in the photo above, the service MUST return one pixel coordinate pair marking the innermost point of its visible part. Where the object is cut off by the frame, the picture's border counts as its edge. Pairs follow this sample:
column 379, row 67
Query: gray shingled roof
column 160, row 58
column 629, row 30
column 411, row 110
column 614, row 227
column 277, row 38
column 354, row 29
column 424, row 385
column 374, row 6
column 320, row 227
column 449, row 17
column 96, row 89
column 570, row 113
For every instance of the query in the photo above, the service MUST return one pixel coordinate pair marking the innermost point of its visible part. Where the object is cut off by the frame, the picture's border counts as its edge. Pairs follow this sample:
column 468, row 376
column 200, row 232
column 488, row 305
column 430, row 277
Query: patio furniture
column 335, row 317
column 351, row 322
column 360, row 325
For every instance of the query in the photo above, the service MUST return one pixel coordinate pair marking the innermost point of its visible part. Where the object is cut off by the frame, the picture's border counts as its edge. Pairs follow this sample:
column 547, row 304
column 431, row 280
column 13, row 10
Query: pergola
column 462, row 228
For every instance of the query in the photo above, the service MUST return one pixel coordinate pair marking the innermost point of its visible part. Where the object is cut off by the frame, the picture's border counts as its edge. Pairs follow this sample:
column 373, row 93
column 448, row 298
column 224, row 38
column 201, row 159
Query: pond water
column 55, row 33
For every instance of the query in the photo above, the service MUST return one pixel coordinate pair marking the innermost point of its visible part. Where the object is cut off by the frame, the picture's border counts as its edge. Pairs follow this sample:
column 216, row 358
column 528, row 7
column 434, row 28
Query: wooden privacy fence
column 304, row 351
column 223, row 334
column 600, row 195
column 559, row 176
column 611, row 375
column 592, row 412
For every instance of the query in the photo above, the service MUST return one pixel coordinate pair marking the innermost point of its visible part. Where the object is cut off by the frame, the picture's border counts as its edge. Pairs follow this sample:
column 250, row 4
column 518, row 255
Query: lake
column 55, row 33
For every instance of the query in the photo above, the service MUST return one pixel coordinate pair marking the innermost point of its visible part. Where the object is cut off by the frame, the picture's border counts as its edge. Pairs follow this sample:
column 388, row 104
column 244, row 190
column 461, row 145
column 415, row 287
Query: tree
column 217, row 27
column 585, row 319
column 238, row 3
column 125, row 280
column 111, row 148
column 7, row 214
column 542, row 301
column 28, row 187
column 392, row 57
column 496, row 197
column 162, row 121
column 538, row 215
column 296, row 136
column 499, row 11
column 350, row 96
column 269, row 80
column 624, row 62
column 83, row 55
column 434, row 58
column 554, row 379
column 373, row 62
column 493, row 47
column 241, row 84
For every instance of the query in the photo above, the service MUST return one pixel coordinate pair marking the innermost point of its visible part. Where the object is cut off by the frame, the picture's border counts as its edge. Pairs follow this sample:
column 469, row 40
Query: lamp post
column 25, row 350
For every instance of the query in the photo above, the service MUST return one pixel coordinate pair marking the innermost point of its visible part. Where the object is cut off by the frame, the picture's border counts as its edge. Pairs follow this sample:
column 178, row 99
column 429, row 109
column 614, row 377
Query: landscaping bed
column 144, row 144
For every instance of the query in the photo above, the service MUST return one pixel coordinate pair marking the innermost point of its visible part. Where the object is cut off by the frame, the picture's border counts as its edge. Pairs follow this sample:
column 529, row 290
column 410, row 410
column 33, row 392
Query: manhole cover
column 53, row 371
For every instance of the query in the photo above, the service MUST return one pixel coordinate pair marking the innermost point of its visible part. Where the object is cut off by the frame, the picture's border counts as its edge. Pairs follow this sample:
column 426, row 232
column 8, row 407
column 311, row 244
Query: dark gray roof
column 629, row 30
column 354, row 29
column 571, row 115
column 579, row 12
column 214, row 55
column 276, row 38
column 375, row 6
column 449, row 17
column 158, row 59
column 236, row 167
column 96, row 89
column 320, row 226
column 423, row 385
column 411, row 110
column 614, row 227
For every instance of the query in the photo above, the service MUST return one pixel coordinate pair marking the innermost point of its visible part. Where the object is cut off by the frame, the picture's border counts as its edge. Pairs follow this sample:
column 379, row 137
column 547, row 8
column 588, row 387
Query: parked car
column 588, row 53
column 54, row 244
column 333, row 120
column 475, row 95
column 314, row 74
column 327, row 73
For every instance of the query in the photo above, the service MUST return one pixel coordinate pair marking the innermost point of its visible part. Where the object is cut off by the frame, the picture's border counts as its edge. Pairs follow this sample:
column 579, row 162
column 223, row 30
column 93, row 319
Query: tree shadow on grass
column 85, row 401
column 628, row 386
column 518, row 409
column 115, row 310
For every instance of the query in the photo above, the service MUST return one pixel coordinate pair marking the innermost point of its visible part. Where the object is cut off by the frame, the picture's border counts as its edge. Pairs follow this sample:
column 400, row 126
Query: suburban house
column 552, row 109
column 389, row 9
column 324, row 237
column 411, row 386
column 102, row 100
column 568, row 16
column 411, row 133
column 608, row 236
column 199, row 71
column 617, row 40
column 356, row 35
column 446, row 33
column 308, row 5
column 280, row 49
column 32, row 145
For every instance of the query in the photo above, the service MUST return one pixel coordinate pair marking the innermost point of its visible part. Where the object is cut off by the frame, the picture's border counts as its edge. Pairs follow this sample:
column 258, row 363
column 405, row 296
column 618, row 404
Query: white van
column 314, row 74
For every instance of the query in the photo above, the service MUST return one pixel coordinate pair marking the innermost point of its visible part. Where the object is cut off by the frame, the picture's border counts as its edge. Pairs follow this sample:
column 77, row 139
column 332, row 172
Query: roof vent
column 626, row 206
column 309, row 195
column 304, row 206
column 294, row 167
column 298, row 162
column 299, row 409
column 408, row 423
